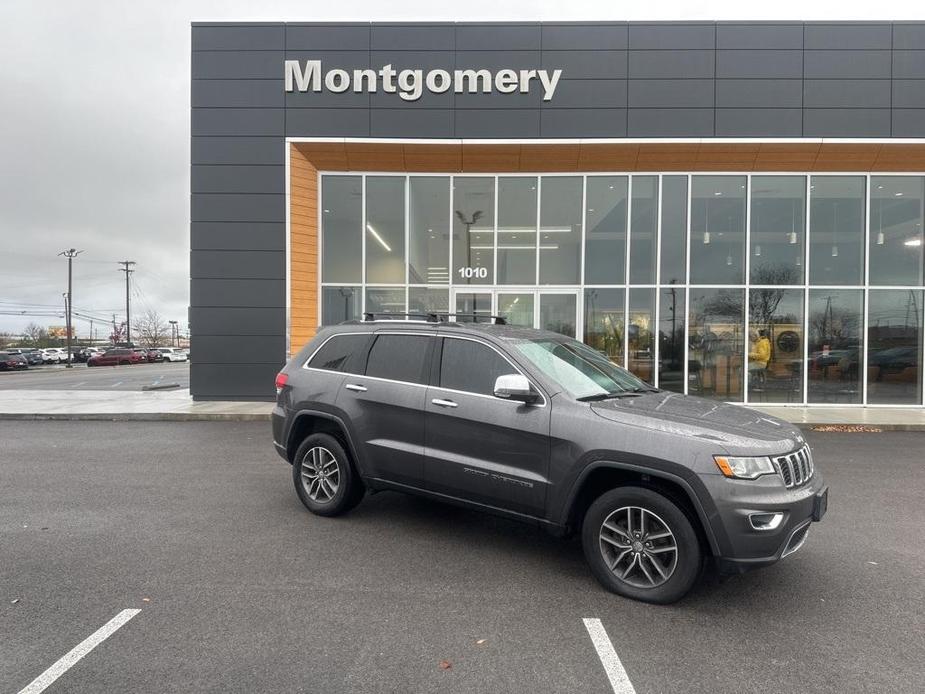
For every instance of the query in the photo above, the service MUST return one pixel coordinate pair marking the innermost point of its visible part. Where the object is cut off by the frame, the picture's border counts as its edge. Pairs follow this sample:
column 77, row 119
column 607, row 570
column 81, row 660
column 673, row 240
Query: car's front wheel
column 324, row 476
column 641, row 545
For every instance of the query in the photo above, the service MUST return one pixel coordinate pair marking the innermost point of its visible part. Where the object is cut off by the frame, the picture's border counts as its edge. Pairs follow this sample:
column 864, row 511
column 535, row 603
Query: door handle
column 356, row 388
column 444, row 403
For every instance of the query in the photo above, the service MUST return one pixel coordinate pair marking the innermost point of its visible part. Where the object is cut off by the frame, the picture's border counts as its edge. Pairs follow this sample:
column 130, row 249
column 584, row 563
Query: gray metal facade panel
column 238, row 236
column 418, row 37
column 325, row 37
column 561, row 37
column 327, row 122
column 770, row 93
column 580, row 64
column 671, row 36
column 587, row 93
column 847, row 64
column 908, row 122
column 476, row 123
column 242, row 349
column 759, row 64
column 909, row 64
column 238, row 292
column 846, row 122
column 237, row 321
column 232, row 381
column 846, row 93
column 237, row 65
column 583, row 122
column 909, row 35
column 909, row 93
column 690, row 93
column 848, row 36
column 238, row 93
column 498, row 37
column 759, row 122
column 237, row 207
column 436, row 123
column 686, row 64
column 211, row 149
column 237, row 179
column 759, row 36
column 249, row 264
column 676, row 122
column 237, row 121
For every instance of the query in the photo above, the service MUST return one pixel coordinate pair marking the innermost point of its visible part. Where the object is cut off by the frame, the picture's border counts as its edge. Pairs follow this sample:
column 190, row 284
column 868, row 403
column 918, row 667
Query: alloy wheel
column 638, row 547
column 320, row 474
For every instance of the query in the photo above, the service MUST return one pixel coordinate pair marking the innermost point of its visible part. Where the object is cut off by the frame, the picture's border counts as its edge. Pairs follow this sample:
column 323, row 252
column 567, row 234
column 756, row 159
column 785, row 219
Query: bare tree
column 36, row 335
column 152, row 330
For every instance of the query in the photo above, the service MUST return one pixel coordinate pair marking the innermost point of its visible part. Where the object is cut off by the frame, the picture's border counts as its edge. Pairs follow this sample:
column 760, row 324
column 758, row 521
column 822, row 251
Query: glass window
column 894, row 347
column 517, row 309
column 336, row 354
column 398, row 358
column 516, row 230
column 671, row 319
column 674, row 230
column 339, row 304
column 473, row 230
column 381, row 300
column 716, row 343
column 560, row 230
column 835, row 345
column 559, row 313
column 604, row 322
column 643, row 228
column 777, row 229
column 641, row 341
column 428, row 230
column 424, row 300
column 605, row 240
column 775, row 345
column 341, row 229
column 836, row 236
column 471, row 305
column 718, row 229
column 896, row 229
column 385, row 229
column 471, row 367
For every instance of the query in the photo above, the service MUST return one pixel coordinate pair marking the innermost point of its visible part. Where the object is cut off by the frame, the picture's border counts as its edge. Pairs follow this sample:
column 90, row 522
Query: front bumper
column 738, row 501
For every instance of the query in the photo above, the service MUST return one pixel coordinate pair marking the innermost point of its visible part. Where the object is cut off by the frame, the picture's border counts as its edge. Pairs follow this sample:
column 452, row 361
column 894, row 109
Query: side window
column 399, row 358
column 471, row 366
column 336, row 353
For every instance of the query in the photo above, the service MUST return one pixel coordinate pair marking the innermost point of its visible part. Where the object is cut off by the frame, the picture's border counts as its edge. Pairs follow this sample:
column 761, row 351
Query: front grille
column 795, row 468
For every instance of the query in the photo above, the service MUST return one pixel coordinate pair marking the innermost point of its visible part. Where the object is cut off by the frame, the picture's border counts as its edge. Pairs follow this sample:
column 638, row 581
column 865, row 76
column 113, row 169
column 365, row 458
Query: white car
column 51, row 355
column 171, row 354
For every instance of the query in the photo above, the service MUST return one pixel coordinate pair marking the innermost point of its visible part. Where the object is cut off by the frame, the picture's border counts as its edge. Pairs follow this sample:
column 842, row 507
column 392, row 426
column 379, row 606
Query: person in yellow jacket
column 760, row 353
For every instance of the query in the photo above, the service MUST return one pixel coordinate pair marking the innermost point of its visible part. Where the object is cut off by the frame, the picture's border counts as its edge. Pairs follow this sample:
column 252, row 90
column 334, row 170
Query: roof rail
column 435, row 317
column 496, row 320
column 386, row 315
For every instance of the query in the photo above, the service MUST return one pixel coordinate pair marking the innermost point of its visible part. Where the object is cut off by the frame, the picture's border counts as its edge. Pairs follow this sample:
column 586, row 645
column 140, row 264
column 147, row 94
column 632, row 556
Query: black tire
column 349, row 487
column 682, row 565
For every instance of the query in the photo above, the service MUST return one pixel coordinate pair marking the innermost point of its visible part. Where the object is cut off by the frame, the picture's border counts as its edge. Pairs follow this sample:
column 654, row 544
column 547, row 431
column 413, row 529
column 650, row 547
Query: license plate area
column 820, row 504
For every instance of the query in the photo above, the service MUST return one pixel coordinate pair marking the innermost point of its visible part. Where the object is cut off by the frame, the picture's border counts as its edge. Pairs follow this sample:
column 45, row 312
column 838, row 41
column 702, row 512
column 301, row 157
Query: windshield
column 579, row 370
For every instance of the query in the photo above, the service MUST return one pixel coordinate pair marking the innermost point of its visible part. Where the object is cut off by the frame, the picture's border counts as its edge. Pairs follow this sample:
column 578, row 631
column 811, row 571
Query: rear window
column 336, row 354
column 398, row 358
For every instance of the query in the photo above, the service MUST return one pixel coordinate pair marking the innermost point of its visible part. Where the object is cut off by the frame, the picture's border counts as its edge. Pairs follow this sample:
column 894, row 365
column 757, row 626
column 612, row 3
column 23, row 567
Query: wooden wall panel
column 303, row 246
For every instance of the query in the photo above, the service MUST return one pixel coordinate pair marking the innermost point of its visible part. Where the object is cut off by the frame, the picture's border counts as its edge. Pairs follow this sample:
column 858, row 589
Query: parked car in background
column 117, row 357
column 33, row 356
column 153, row 355
column 12, row 362
column 171, row 354
column 84, row 353
column 50, row 355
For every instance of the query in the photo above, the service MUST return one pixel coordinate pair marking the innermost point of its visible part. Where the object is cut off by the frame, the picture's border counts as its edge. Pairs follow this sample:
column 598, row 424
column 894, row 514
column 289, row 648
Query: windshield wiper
column 608, row 396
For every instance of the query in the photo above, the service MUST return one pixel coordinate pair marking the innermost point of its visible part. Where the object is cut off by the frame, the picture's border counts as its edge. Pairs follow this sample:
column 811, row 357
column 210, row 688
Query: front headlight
column 744, row 468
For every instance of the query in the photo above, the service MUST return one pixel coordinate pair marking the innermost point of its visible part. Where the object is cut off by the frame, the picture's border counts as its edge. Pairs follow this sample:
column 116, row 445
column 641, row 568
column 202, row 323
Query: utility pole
column 70, row 254
column 174, row 330
column 127, row 269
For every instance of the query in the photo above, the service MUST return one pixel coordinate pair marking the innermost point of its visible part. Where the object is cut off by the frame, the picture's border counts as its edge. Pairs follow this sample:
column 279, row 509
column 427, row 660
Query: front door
column 478, row 447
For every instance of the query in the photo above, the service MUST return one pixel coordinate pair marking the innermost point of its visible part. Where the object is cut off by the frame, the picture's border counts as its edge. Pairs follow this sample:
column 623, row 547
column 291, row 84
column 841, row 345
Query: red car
column 117, row 357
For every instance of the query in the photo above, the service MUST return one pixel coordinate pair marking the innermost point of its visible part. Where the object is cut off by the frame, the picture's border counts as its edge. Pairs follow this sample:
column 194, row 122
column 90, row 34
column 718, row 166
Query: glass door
column 470, row 306
column 517, row 308
column 559, row 312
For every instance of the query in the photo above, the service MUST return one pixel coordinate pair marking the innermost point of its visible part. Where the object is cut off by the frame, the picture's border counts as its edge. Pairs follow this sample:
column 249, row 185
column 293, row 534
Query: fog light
column 765, row 521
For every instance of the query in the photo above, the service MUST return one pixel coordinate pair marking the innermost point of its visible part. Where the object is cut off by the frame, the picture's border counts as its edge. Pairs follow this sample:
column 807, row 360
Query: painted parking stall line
column 619, row 680
column 69, row 659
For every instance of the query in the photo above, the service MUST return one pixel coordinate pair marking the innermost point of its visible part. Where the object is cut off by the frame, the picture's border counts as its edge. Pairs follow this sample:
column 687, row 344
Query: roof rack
column 370, row 316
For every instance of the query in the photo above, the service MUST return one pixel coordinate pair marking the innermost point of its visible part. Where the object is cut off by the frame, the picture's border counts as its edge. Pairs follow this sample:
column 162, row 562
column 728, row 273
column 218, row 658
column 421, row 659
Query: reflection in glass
column 382, row 300
column 641, row 347
column 517, row 309
column 472, row 306
column 671, row 338
column 643, row 228
column 604, row 322
column 716, row 343
column 560, row 230
column 896, row 240
column 674, row 230
column 605, row 241
column 428, row 230
column 894, row 347
column 473, row 230
column 718, row 229
column 339, row 304
column 777, row 229
column 385, row 229
column 341, row 229
column 835, row 345
column 559, row 313
column 775, row 345
column 836, row 235
column 516, row 230
column 423, row 300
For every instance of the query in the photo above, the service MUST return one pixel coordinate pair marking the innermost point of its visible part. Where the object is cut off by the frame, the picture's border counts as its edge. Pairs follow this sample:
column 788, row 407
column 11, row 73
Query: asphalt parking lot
column 241, row 590
column 80, row 377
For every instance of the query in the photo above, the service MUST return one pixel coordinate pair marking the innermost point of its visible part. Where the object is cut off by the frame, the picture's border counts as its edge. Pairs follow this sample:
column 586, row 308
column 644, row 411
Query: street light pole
column 174, row 332
column 70, row 254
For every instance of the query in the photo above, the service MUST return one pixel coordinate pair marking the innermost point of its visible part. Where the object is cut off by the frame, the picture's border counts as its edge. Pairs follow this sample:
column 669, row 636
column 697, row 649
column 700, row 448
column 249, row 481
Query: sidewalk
column 177, row 405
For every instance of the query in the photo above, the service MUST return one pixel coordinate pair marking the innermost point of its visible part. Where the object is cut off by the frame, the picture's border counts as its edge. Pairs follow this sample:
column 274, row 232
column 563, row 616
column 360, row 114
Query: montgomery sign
column 410, row 84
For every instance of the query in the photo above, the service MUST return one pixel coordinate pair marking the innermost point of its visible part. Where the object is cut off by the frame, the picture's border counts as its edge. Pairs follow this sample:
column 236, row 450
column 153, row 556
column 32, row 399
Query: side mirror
column 515, row 387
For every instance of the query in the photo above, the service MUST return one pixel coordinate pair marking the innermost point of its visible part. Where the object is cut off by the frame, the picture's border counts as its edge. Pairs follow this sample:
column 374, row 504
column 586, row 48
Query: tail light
column 281, row 380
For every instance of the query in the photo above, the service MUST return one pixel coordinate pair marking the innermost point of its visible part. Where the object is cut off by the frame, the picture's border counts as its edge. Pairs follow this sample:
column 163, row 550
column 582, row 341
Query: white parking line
column 117, row 383
column 619, row 680
column 69, row 659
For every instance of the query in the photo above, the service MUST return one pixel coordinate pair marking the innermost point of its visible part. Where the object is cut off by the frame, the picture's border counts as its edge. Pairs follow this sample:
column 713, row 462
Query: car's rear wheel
column 324, row 476
column 641, row 545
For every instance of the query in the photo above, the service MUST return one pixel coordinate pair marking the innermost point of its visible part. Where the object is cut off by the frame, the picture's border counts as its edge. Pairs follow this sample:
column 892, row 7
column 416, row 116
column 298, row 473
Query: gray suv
column 542, row 428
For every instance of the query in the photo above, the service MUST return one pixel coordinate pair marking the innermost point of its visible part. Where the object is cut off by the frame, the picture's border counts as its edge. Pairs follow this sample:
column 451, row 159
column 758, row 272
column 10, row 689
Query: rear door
column 479, row 447
column 386, row 406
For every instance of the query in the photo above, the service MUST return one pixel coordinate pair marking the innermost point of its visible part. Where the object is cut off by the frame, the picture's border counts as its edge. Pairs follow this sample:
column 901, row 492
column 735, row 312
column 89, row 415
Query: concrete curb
column 138, row 417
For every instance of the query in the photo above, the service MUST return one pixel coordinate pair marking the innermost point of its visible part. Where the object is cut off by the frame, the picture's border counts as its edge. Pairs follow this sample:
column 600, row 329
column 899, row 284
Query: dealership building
column 732, row 210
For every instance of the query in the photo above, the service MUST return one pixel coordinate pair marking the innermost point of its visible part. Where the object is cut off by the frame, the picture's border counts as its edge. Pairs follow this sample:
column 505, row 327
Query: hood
column 738, row 428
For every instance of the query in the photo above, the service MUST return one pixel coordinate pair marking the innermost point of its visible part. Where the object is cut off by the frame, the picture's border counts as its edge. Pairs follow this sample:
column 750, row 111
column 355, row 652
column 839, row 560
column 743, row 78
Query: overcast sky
column 94, row 149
